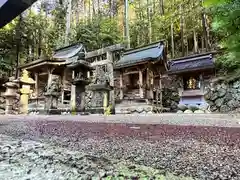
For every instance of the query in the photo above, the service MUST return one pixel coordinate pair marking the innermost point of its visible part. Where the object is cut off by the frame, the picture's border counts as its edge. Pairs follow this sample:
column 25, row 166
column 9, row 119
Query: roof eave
column 191, row 70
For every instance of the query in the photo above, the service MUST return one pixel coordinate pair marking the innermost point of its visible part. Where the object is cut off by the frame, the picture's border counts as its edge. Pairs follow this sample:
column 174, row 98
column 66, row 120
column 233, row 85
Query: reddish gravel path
column 209, row 128
column 206, row 147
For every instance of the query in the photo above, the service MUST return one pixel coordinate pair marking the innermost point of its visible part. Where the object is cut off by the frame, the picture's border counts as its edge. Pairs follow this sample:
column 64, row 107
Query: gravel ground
column 30, row 160
column 199, row 152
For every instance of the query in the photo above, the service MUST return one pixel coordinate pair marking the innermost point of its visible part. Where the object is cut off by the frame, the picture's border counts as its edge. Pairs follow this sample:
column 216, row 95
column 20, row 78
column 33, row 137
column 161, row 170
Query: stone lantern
column 25, row 82
column 80, row 80
column 10, row 96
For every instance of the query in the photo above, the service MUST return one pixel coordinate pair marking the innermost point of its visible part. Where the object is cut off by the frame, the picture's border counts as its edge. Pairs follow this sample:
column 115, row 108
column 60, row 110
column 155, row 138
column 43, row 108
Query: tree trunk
column 98, row 4
column 205, row 29
column 110, row 8
column 195, row 41
column 89, row 12
column 149, row 9
column 18, row 35
column 68, row 22
column 202, row 42
column 172, row 41
column 39, row 43
column 182, row 30
column 161, row 4
column 126, row 25
column 93, row 9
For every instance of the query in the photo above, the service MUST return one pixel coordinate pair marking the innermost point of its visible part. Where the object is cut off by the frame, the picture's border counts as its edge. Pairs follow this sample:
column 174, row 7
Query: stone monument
column 101, row 91
column 52, row 94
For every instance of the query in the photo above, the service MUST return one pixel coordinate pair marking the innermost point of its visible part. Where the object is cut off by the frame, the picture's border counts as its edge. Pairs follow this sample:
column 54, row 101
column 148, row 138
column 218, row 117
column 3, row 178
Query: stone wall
column 170, row 93
column 224, row 97
column 2, row 103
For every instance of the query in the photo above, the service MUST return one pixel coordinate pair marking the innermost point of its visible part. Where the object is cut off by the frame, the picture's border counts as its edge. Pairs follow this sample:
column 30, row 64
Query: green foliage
column 96, row 26
column 227, row 23
column 100, row 32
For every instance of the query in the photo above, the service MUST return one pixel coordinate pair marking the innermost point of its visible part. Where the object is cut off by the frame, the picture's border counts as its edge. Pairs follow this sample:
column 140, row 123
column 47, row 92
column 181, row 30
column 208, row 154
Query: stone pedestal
column 51, row 103
column 10, row 95
column 80, row 98
column 100, row 99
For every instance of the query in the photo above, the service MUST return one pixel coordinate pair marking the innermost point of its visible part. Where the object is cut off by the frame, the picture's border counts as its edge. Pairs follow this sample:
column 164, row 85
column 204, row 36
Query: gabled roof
column 192, row 63
column 68, row 52
column 140, row 55
column 62, row 56
column 9, row 9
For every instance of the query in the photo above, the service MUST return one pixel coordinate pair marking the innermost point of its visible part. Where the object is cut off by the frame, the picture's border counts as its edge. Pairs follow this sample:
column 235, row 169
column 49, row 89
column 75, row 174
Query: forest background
column 187, row 26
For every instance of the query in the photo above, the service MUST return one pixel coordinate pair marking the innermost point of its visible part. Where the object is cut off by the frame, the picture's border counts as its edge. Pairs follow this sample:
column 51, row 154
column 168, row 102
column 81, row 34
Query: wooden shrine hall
column 140, row 72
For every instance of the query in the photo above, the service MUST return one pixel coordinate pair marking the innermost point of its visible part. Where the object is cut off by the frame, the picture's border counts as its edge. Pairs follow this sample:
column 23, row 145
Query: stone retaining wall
column 224, row 97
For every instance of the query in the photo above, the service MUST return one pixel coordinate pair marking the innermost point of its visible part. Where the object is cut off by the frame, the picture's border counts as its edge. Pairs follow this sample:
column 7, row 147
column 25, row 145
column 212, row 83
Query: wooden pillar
column 140, row 83
column 121, row 85
column 111, row 78
column 63, row 83
column 160, row 89
column 201, row 83
column 148, row 83
column 151, row 84
column 73, row 95
column 50, row 76
column 36, row 84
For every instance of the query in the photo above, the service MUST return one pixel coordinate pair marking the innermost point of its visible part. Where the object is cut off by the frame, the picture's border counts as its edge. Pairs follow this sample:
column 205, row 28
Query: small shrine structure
column 193, row 73
column 100, row 93
column 44, row 71
column 139, row 72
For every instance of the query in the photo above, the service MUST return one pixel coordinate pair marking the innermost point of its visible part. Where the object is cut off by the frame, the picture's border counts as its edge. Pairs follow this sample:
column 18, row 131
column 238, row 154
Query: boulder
column 213, row 108
column 228, row 96
column 214, row 96
column 2, row 100
column 204, row 106
column 236, row 85
column 207, row 111
column 221, row 92
column 224, row 109
column 188, row 111
column 207, row 95
column 219, row 102
column 139, row 109
column 199, row 112
column 2, row 106
column 179, row 112
column 193, row 107
column 182, row 107
column 174, row 105
column 2, row 111
column 233, row 104
column 224, row 86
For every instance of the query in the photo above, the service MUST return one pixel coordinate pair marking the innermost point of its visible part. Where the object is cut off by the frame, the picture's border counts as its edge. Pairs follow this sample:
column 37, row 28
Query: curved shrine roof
column 192, row 63
column 140, row 55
